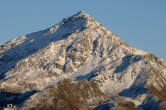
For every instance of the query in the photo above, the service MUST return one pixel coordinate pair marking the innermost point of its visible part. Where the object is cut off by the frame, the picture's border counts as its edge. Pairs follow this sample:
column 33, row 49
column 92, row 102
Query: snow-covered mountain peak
column 96, row 63
column 77, row 22
column 81, row 13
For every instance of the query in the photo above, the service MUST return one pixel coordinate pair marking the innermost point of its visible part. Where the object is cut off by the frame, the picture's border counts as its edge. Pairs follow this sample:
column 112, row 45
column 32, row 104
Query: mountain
column 79, row 65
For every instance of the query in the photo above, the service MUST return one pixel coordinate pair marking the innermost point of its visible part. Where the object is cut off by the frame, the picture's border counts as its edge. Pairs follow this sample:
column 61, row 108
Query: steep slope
column 68, row 95
column 82, row 50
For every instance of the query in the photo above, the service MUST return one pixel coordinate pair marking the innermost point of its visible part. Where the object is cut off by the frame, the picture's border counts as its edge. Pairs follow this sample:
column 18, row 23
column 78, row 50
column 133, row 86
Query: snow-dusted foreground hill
column 79, row 65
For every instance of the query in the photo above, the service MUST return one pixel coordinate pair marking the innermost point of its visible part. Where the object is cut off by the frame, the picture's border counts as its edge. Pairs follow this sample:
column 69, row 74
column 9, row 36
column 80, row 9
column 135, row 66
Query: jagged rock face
column 97, row 61
column 68, row 95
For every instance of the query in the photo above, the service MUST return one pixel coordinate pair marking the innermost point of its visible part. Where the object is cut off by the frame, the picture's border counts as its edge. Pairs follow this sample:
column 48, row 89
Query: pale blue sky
column 141, row 23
